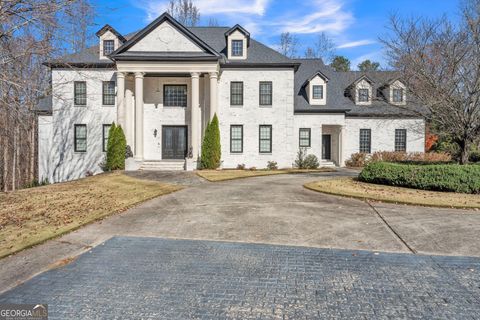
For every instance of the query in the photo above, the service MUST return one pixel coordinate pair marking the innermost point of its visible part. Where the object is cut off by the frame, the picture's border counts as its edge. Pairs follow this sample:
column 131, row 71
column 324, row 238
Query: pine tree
column 211, row 148
column 116, row 147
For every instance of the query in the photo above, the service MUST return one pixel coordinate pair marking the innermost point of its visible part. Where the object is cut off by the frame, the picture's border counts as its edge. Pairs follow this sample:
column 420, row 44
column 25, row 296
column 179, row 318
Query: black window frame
column 269, row 94
column 78, row 95
column 105, row 143
column 321, row 91
column 397, row 140
column 395, row 96
column 234, row 52
column 260, row 138
column 309, row 130
column 361, row 147
column 165, row 86
column 112, row 42
column 236, row 139
column 361, row 95
column 109, row 95
column 232, row 103
column 75, row 138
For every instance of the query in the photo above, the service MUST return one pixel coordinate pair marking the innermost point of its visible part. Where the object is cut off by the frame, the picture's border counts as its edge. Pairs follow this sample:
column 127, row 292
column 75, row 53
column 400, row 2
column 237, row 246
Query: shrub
column 300, row 161
column 357, row 160
column 311, row 162
column 37, row 183
column 116, row 149
column 241, row 166
column 439, row 177
column 211, row 149
column 272, row 165
column 362, row 159
column 253, row 169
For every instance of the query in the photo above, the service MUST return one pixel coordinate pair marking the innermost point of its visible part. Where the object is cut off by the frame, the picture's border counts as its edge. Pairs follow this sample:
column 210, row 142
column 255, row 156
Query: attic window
column 317, row 92
column 237, row 48
column 397, row 95
column 363, row 95
column 108, row 47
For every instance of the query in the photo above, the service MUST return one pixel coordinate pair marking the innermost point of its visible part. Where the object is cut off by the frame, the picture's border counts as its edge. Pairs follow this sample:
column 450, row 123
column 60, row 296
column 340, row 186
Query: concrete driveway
column 272, row 210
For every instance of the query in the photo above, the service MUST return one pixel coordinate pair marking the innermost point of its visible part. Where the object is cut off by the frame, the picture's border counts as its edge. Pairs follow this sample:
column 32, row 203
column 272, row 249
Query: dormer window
column 397, row 95
column 363, row 95
column 108, row 47
column 316, row 89
column 317, row 92
column 237, row 48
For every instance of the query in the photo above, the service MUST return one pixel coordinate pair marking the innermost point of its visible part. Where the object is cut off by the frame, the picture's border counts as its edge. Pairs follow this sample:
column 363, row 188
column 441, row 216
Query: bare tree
column 288, row 44
column 184, row 11
column 212, row 22
column 31, row 31
column 325, row 48
column 440, row 64
column 310, row 53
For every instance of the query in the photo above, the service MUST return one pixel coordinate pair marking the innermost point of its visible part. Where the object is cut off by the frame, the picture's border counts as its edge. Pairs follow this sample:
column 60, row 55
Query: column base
column 132, row 164
column 191, row 164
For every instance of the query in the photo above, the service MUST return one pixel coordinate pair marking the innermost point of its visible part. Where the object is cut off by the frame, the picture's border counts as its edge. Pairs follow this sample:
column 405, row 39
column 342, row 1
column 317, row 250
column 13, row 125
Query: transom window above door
column 175, row 95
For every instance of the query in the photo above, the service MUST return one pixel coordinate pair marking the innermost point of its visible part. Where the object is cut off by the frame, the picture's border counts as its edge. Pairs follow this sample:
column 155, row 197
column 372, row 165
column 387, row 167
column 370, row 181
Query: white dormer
column 110, row 40
column 316, row 88
column 363, row 90
column 238, row 41
column 397, row 92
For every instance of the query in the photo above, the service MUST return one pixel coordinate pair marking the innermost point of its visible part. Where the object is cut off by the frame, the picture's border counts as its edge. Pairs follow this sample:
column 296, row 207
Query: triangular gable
column 316, row 74
column 366, row 78
column 165, row 34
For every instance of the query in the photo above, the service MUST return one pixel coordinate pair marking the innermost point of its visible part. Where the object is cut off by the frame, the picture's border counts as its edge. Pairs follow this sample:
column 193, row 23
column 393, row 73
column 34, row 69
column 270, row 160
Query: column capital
column 213, row 75
column 195, row 74
column 139, row 74
column 120, row 74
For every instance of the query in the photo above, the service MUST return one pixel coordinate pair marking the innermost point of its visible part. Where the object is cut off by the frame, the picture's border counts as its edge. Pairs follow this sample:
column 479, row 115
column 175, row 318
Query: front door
column 326, row 147
column 174, row 142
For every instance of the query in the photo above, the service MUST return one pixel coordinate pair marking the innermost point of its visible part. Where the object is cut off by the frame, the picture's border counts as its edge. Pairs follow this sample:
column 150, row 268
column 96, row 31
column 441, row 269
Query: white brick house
column 164, row 83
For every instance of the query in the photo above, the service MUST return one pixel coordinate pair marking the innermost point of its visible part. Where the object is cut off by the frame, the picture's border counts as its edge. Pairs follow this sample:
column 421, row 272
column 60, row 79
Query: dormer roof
column 364, row 77
column 108, row 27
column 319, row 74
column 241, row 29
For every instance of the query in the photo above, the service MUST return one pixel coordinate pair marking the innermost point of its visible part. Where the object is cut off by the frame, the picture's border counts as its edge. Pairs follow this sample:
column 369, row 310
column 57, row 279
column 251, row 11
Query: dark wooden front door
column 174, row 142
column 326, row 147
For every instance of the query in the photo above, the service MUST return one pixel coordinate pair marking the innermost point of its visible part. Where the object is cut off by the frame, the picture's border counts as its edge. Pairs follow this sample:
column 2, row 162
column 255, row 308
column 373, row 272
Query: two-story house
column 164, row 83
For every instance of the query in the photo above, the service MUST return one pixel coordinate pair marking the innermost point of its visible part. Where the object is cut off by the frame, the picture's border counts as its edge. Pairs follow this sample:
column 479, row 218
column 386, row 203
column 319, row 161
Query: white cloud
column 354, row 44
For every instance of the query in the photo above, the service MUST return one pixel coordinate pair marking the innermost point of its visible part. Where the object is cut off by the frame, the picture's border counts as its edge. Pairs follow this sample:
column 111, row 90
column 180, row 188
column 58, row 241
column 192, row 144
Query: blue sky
column 354, row 25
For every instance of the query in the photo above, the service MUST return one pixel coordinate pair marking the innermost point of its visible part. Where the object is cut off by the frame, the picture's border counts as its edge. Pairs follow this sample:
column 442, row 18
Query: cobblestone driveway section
column 152, row 278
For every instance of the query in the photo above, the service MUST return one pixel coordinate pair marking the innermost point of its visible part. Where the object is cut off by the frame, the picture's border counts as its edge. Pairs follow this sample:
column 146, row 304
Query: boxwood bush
column 440, row 177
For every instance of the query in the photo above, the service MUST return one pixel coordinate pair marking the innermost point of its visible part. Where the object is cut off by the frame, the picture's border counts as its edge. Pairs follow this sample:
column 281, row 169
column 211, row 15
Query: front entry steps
column 163, row 165
column 327, row 164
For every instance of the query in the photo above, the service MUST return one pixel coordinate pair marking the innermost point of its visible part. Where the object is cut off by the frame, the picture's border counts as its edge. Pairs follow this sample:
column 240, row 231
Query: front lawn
column 352, row 188
column 231, row 174
column 31, row 216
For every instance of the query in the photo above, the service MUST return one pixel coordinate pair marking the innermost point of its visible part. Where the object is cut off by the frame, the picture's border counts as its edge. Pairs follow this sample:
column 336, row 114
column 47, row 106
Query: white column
column 194, row 117
column 213, row 93
column 341, row 144
column 121, row 99
column 129, row 119
column 139, row 116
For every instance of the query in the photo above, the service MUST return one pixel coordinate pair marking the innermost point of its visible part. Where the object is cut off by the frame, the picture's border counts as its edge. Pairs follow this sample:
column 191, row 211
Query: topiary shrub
column 211, row 148
column 438, row 177
column 311, row 162
column 116, row 149
column 272, row 165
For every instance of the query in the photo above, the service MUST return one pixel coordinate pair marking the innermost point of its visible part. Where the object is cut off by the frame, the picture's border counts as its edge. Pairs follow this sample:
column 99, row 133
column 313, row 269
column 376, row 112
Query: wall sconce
column 155, row 133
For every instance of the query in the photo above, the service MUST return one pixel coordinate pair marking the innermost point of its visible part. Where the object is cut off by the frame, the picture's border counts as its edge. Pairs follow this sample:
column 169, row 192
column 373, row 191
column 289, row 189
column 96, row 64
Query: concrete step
column 163, row 165
column 327, row 164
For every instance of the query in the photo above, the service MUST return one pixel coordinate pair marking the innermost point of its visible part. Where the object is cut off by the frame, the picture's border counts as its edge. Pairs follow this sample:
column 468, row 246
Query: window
column 317, row 92
column 174, row 95
column 400, row 140
column 80, row 137
column 106, row 132
column 363, row 95
column 265, row 137
column 236, row 138
column 397, row 95
column 108, row 47
column 80, row 93
column 304, row 136
column 237, row 48
column 365, row 141
column 265, row 93
column 236, row 93
column 108, row 95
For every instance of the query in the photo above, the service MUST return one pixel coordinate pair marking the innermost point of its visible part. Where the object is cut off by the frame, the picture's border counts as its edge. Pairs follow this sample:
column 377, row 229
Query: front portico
column 143, row 113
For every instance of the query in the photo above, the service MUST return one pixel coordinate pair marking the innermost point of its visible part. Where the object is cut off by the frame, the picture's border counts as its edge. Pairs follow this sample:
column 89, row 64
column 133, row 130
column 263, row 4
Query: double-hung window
column 108, row 47
column 80, row 138
column 105, row 133
column 401, row 140
column 265, row 139
column 363, row 95
column 236, row 93
column 397, row 95
column 108, row 93
column 304, row 137
column 317, row 92
column 237, row 48
column 174, row 95
column 236, row 138
column 365, row 141
column 80, row 93
column 265, row 89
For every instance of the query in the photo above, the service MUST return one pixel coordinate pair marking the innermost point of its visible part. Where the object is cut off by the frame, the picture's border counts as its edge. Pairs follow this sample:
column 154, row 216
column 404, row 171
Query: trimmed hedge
column 445, row 177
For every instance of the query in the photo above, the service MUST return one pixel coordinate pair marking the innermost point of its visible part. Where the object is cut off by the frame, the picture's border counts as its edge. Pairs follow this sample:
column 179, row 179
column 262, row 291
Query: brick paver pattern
column 151, row 278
